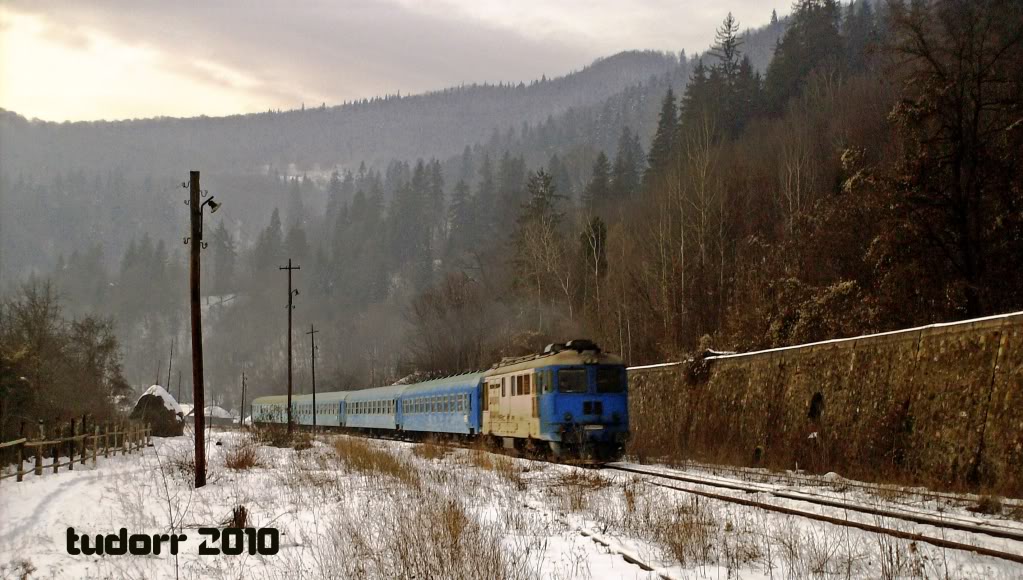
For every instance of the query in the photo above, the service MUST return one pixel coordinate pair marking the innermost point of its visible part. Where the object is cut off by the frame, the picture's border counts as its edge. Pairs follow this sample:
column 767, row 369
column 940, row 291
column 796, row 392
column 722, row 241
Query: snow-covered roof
column 215, row 412
column 167, row 398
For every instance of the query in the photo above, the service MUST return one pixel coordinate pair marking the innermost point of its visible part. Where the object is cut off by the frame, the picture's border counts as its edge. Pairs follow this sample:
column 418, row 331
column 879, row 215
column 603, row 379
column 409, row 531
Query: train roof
column 377, row 393
column 324, row 397
column 560, row 357
column 464, row 380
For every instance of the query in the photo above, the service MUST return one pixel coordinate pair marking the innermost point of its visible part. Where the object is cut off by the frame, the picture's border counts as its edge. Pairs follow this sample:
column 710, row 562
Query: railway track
column 751, row 488
column 789, row 478
column 880, row 512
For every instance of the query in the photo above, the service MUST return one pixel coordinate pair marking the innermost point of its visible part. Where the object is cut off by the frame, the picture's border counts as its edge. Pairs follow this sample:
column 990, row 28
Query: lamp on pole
column 198, row 388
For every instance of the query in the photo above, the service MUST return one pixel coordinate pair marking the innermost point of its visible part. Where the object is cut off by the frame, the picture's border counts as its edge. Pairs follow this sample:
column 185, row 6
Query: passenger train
column 570, row 401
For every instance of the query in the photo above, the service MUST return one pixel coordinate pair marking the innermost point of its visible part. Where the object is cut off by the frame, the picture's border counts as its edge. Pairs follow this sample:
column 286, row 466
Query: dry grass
column 506, row 467
column 277, row 436
column 21, row 569
column 245, row 456
column 361, row 456
column 431, row 449
column 988, row 505
column 686, row 531
column 575, row 487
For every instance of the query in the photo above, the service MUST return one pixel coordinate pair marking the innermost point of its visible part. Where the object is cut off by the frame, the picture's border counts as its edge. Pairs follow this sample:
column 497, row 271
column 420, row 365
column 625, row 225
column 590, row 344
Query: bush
column 244, row 457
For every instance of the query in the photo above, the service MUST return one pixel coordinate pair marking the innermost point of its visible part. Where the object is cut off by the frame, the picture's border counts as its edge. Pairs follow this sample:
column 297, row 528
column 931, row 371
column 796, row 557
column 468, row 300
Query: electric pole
column 291, row 306
column 242, row 420
column 312, row 336
column 198, row 396
column 170, row 363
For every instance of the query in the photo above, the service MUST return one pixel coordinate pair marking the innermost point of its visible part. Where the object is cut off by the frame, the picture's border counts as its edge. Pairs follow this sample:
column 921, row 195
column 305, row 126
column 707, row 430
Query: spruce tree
column 628, row 165
column 664, row 138
column 598, row 190
column 812, row 40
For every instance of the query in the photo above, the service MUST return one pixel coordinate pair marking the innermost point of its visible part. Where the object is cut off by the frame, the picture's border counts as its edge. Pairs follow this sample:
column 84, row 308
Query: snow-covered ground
column 382, row 509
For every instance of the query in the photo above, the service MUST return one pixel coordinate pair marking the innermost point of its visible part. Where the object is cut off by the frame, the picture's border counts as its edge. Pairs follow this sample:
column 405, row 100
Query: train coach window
column 572, row 380
column 528, row 382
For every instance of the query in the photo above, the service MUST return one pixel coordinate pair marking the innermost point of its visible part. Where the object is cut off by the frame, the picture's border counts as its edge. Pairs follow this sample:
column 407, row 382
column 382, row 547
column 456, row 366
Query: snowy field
column 355, row 508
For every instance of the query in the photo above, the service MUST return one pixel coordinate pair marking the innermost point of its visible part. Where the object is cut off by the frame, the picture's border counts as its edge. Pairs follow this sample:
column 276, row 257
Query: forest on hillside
column 868, row 179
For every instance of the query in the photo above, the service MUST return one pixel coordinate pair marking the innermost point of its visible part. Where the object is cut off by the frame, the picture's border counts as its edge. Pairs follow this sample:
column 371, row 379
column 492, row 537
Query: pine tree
column 486, row 194
column 270, row 246
column 628, row 165
column 598, row 191
column 664, row 138
column 296, row 244
column 334, row 199
column 224, row 256
column 812, row 40
column 296, row 207
column 860, row 28
column 462, row 219
column 726, row 49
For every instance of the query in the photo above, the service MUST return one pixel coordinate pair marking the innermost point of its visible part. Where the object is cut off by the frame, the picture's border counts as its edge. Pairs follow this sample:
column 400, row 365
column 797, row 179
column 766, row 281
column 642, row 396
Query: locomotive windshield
column 610, row 380
column 572, row 380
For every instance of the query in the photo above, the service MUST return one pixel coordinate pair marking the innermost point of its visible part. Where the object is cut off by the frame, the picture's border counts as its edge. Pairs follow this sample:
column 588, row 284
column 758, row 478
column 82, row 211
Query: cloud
column 283, row 53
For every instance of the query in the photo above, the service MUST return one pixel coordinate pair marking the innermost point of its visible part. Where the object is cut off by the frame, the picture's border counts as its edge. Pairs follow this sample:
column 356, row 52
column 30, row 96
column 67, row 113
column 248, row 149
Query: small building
column 214, row 415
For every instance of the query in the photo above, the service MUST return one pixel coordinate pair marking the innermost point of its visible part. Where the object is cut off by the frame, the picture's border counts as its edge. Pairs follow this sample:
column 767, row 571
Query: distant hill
column 434, row 124
column 103, row 183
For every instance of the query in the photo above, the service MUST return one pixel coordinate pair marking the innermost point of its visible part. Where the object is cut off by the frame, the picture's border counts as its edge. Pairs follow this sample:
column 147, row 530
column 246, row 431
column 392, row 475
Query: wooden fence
column 124, row 438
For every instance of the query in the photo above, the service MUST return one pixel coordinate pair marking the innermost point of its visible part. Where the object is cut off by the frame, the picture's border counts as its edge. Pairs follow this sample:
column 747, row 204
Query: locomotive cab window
column 572, row 380
column 610, row 381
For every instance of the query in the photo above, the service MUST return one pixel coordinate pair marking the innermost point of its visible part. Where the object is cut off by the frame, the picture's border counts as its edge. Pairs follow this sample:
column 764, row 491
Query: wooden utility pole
column 170, row 363
column 242, row 420
column 312, row 336
column 291, row 306
column 198, row 395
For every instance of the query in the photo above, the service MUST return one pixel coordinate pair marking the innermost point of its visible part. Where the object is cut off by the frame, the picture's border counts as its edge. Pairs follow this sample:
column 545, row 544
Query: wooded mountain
column 376, row 130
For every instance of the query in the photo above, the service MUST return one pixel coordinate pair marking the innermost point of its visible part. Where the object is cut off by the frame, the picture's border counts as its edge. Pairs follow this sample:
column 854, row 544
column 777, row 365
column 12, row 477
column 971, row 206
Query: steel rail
column 917, row 537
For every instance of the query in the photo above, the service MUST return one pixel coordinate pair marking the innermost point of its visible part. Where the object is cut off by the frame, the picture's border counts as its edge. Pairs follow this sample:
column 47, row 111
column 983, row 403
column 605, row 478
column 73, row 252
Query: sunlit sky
column 114, row 59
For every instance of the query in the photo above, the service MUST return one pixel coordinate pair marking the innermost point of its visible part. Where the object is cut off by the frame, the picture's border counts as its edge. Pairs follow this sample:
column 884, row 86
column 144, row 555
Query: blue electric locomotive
column 571, row 399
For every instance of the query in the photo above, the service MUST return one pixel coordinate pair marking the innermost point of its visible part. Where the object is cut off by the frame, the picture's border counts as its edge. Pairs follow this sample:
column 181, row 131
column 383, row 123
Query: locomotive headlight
column 568, row 417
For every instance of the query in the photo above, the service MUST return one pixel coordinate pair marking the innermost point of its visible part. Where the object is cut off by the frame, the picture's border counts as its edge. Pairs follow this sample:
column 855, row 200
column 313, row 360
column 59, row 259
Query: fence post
column 124, row 439
column 21, row 461
column 39, row 449
column 56, row 456
column 71, row 448
column 95, row 444
column 106, row 440
column 84, row 439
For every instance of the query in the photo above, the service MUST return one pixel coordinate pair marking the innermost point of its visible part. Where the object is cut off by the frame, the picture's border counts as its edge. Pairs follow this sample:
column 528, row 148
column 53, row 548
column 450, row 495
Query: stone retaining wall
column 940, row 405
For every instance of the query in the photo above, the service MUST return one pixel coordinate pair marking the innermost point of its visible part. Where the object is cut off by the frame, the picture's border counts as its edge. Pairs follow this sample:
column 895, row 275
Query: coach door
column 492, row 409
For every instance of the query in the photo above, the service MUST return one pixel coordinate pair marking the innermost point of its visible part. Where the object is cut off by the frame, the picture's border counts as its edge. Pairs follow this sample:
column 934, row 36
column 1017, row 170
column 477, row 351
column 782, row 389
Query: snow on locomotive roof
column 575, row 352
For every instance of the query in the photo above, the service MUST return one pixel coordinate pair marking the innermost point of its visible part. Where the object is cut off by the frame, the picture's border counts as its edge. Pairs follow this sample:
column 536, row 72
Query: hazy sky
column 113, row 59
